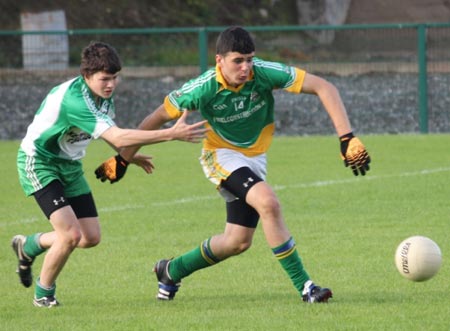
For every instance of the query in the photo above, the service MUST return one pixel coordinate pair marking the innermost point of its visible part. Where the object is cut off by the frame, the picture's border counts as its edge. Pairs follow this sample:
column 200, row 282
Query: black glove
column 112, row 169
column 354, row 154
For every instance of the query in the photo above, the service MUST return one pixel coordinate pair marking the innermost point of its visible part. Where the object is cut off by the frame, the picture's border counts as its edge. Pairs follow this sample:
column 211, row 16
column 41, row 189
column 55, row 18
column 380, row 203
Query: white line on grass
column 282, row 187
column 22, row 221
column 354, row 180
column 276, row 187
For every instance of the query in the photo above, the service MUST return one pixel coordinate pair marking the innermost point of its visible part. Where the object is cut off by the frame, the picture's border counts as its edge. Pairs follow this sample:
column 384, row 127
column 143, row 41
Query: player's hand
column 112, row 169
column 192, row 133
column 354, row 154
column 143, row 161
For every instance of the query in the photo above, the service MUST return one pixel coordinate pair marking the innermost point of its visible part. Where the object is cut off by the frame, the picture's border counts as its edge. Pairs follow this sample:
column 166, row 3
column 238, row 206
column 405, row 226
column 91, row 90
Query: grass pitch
column 347, row 229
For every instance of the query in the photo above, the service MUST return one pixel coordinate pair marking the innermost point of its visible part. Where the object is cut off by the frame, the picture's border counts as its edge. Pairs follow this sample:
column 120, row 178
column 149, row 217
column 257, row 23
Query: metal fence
column 394, row 78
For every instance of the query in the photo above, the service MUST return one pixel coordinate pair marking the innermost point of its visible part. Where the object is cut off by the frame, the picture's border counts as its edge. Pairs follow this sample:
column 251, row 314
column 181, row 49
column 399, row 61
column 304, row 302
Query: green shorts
column 36, row 172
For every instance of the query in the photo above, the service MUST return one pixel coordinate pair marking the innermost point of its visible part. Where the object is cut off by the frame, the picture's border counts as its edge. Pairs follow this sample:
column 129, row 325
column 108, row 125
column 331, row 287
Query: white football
column 418, row 258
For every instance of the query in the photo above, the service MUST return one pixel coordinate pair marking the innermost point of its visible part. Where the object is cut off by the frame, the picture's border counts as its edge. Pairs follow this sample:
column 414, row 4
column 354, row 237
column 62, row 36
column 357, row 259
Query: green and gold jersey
column 66, row 122
column 241, row 118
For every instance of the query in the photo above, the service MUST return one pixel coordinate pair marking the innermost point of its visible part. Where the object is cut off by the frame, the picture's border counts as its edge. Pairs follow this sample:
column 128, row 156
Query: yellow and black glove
column 112, row 169
column 354, row 154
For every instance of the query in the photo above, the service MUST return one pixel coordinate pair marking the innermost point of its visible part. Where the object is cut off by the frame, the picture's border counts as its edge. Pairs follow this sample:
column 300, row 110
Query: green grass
column 347, row 229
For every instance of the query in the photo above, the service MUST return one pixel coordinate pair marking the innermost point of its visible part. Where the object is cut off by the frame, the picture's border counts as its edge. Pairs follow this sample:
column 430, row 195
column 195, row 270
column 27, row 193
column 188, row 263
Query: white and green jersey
column 67, row 121
column 241, row 118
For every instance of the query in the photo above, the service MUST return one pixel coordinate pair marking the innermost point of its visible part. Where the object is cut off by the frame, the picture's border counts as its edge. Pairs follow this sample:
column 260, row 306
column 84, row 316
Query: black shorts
column 238, row 211
column 52, row 198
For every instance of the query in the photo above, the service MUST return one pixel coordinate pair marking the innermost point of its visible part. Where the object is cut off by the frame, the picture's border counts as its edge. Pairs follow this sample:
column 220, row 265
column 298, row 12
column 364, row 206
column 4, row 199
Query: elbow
column 319, row 86
column 327, row 89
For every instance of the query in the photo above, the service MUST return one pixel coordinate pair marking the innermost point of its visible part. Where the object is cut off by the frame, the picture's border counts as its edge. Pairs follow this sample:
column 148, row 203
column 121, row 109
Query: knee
column 93, row 241
column 269, row 206
column 90, row 241
column 244, row 246
column 72, row 238
column 239, row 247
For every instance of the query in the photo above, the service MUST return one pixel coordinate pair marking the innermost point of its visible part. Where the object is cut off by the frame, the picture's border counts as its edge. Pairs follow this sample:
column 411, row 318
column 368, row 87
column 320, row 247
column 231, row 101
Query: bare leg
column 235, row 240
column 263, row 199
column 90, row 234
column 66, row 237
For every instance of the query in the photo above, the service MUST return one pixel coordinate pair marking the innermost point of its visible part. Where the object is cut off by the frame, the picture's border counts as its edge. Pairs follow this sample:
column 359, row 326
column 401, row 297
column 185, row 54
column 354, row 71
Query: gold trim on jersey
column 220, row 79
column 171, row 109
column 213, row 140
column 262, row 144
column 298, row 83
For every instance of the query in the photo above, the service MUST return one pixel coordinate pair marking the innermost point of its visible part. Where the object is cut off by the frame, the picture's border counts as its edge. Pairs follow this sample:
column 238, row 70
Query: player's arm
column 353, row 151
column 140, row 160
column 153, row 121
column 331, row 100
column 121, row 138
column 129, row 141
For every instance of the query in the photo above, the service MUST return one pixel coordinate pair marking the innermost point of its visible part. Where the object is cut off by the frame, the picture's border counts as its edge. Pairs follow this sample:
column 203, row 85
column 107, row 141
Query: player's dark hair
column 99, row 56
column 235, row 39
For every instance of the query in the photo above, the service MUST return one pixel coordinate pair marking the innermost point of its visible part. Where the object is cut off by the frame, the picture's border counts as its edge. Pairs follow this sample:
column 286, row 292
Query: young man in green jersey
column 50, row 169
column 236, row 99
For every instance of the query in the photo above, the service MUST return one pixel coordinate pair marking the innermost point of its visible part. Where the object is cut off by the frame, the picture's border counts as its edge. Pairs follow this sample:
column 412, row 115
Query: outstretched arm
column 153, row 121
column 121, row 138
column 353, row 152
column 331, row 100
column 129, row 141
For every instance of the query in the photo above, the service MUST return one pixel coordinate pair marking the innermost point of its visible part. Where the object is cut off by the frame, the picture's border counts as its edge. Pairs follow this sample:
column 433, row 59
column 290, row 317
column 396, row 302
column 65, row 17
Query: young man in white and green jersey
column 236, row 99
column 50, row 169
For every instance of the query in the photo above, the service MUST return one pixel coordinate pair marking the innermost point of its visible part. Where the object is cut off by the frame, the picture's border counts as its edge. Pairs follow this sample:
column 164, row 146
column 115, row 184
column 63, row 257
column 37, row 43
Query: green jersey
column 67, row 121
column 241, row 118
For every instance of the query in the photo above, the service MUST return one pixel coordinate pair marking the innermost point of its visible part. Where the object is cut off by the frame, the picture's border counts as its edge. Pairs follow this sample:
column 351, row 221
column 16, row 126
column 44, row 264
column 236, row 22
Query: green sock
column 196, row 259
column 32, row 247
column 42, row 291
column 288, row 256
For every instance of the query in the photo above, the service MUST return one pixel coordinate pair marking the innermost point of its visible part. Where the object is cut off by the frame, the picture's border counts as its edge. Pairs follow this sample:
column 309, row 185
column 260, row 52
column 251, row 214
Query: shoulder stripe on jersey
column 268, row 64
column 91, row 105
column 88, row 100
column 192, row 85
column 279, row 67
column 293, row 79
column 173, row 101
